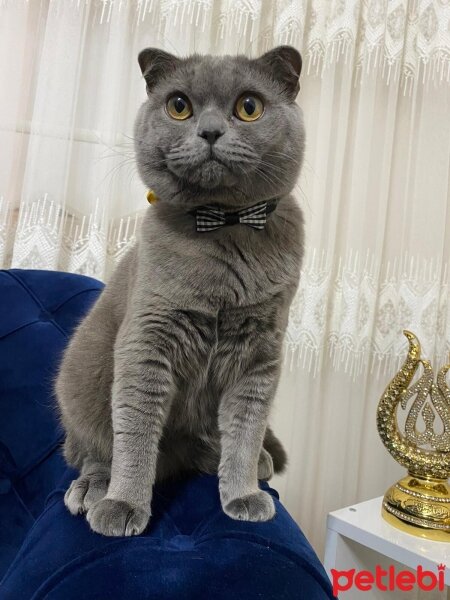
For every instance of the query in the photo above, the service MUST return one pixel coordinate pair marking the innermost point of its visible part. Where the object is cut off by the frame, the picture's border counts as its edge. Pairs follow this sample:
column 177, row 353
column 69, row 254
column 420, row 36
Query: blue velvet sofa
column 191, row 549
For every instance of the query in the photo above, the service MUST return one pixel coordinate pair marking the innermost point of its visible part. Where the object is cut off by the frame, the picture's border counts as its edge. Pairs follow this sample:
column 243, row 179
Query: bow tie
column 209, row 218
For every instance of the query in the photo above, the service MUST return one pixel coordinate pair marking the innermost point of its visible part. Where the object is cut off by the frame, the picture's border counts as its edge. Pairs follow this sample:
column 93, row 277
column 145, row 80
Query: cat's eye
column 178, row 107
column 249, row 107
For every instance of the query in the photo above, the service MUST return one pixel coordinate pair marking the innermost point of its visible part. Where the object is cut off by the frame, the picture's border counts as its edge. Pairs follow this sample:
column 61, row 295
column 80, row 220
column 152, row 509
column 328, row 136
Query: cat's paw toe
column 117, row 518
column 74, row 497
column 258, row 506
column 265, row 466
column 83, row 493
column 96, row 491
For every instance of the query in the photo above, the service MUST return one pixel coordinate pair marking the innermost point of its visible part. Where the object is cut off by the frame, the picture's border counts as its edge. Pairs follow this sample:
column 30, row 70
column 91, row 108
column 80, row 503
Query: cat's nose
column 210, row 128
column 211, row 135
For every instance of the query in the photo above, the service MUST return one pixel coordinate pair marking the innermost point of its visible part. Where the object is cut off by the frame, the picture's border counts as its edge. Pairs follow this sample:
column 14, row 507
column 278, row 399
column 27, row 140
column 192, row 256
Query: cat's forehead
column 219, row 78
column 214, row 70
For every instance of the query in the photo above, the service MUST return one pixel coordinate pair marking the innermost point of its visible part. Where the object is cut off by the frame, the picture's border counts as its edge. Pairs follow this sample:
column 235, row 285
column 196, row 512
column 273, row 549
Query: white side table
column 359, row 538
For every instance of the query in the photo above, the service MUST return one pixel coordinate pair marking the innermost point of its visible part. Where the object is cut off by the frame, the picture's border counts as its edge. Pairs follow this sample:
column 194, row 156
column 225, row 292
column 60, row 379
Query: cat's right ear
column 155, row 64
column 285, row 65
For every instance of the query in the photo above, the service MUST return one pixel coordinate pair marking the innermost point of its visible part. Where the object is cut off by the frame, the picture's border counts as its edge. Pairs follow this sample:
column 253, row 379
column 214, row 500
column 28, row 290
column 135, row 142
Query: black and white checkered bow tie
column 209, row 218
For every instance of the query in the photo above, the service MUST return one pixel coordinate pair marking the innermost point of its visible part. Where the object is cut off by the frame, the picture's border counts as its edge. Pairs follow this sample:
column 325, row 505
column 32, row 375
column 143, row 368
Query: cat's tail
column 275, row 448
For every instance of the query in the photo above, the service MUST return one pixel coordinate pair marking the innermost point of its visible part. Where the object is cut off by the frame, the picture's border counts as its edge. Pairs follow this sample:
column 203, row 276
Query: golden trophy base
column 419, row 506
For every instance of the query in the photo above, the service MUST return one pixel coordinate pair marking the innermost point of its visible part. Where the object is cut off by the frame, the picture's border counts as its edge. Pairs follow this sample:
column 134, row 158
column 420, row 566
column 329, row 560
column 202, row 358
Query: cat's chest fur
column 233, row 267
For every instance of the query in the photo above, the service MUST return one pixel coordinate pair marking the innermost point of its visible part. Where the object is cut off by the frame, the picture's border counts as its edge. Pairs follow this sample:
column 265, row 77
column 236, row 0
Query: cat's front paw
column 258, row 506
column 116, row 518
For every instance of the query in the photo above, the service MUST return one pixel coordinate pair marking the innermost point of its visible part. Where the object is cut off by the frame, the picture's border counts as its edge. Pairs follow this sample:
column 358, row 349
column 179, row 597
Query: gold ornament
column 152, row 197
column 420, row 502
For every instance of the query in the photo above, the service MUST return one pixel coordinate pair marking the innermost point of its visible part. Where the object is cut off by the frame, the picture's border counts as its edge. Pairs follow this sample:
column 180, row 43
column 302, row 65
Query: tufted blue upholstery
column 191, row 550
column 38, row 311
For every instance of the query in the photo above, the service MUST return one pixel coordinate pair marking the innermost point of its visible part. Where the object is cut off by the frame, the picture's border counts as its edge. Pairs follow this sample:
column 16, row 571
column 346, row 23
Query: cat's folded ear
column 285, row 65
column 155, row 64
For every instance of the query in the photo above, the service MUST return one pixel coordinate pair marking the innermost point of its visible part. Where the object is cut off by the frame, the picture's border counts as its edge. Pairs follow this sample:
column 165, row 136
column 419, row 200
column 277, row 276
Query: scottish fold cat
column 175, row 367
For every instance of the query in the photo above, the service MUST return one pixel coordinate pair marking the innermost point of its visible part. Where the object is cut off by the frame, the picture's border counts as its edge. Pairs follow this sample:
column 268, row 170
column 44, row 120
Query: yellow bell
column 152, row 197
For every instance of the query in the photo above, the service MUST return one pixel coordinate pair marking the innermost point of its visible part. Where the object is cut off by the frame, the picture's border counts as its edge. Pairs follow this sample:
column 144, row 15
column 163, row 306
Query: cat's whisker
column 117, row 168
column 282, row 155
column 265, row 177
column 98, row 159
column 270, row 176
column 279, row 168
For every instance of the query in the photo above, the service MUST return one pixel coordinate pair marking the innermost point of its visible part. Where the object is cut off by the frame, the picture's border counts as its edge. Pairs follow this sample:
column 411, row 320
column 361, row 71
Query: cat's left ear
column 285, row 65
column 156, row 64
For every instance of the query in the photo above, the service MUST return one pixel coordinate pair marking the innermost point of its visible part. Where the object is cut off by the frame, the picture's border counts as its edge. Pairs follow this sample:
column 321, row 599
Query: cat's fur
column 175, row 367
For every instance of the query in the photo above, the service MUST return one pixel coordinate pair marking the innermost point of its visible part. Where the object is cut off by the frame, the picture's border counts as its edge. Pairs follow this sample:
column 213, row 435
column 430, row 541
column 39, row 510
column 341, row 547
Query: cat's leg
column 141, row 395
column 90, row 487
column 243, row 417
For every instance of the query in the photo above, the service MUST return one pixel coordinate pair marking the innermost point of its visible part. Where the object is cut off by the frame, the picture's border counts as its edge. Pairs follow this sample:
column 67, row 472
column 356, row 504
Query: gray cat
column 175, row 368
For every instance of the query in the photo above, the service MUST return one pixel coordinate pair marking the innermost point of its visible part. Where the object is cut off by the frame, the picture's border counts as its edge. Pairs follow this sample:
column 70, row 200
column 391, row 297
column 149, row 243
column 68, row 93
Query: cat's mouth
column 211, row 172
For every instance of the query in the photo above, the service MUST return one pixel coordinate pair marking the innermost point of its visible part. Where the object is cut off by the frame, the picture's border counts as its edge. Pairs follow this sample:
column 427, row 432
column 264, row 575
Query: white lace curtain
column 375, row 189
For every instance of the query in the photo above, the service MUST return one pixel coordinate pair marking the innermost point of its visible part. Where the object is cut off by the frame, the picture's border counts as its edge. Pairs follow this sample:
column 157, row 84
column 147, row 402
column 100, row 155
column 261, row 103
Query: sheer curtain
column 375, row 190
